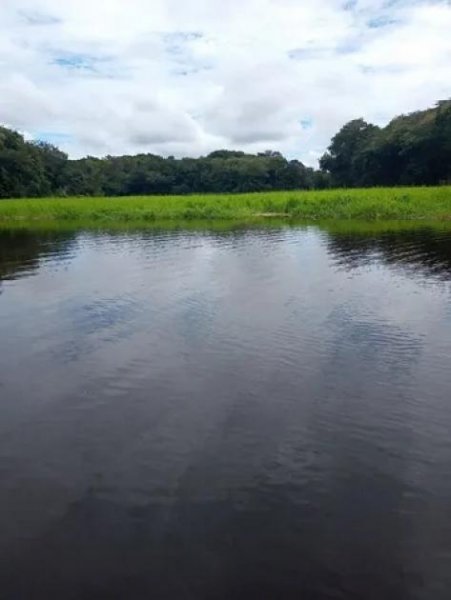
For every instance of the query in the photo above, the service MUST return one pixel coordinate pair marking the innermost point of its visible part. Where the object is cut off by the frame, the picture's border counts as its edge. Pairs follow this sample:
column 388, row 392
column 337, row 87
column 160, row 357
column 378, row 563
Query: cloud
column 186, row 77
column 37, row 18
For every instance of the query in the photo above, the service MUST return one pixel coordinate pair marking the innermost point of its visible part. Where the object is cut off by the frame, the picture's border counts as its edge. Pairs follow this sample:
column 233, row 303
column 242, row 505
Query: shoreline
column 372, row 204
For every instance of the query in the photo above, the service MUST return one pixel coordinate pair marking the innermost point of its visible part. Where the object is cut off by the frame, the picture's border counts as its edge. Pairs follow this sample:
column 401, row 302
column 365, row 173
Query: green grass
column 359, row 204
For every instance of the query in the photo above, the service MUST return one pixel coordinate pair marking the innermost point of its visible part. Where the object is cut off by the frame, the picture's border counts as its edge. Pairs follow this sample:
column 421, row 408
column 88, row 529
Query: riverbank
column 420, row 203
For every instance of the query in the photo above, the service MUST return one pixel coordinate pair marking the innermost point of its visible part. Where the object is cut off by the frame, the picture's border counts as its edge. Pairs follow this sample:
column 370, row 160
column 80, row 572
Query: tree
column 54, row 161
column 412, row 149
column 345, row 159
column 22, row 168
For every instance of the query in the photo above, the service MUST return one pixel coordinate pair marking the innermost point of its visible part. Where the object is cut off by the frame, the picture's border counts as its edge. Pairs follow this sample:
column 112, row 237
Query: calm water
column 254, row 414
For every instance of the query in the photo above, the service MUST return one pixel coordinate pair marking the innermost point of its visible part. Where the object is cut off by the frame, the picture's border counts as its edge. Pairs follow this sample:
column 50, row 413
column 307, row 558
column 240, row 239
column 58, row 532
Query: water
column 246, row 414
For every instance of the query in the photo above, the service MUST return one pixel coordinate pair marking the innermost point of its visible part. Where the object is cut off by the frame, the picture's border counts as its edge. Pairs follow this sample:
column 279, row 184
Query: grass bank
column 358, row 204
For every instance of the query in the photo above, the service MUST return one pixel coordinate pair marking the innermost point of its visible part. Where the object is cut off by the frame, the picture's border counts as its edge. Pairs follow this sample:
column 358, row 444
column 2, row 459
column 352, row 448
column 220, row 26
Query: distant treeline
column 412, row 150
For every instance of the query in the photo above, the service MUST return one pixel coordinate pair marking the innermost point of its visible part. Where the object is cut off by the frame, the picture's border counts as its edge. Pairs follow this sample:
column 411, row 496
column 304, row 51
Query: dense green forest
column 412, row 149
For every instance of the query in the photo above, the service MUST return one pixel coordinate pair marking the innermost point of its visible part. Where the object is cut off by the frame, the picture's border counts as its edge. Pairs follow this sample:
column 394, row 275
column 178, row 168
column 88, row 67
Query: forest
column 413, row 149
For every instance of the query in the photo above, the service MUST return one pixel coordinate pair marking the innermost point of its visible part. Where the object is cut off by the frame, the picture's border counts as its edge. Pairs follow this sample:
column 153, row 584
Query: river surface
column 260, row 413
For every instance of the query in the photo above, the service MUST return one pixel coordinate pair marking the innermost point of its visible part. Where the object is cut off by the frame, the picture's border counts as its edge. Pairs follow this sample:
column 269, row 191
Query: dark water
column 253, row 414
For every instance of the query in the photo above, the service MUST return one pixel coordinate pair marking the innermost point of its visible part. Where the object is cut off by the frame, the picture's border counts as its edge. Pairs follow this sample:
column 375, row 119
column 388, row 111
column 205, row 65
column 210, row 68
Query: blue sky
column 185, row 77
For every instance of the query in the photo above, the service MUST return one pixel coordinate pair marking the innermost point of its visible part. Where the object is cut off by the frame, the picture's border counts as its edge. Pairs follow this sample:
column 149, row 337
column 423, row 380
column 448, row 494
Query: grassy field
column 358, row 204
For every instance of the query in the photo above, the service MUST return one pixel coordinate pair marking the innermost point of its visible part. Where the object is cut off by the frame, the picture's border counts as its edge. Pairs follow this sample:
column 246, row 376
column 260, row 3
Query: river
column 248, row 413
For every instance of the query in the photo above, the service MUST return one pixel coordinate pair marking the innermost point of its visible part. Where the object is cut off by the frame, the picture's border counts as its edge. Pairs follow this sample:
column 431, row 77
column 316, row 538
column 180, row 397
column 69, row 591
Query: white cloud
column 185, row 77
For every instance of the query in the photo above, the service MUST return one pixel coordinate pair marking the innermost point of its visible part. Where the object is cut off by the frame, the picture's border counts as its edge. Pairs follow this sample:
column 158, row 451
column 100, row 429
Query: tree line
column 412, row 149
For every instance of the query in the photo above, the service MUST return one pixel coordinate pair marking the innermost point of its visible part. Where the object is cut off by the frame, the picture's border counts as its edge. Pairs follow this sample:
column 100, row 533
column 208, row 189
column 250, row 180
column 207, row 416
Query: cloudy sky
column 185, row 77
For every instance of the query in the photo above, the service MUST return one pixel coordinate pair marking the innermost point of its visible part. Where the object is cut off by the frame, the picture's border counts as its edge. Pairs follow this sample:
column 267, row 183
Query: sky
column 186, row 77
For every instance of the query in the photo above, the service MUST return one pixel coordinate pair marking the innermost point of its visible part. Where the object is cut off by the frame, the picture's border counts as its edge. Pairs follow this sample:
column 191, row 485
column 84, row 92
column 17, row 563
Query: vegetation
column 30, row 169
column 366, row 204
column 412, row 150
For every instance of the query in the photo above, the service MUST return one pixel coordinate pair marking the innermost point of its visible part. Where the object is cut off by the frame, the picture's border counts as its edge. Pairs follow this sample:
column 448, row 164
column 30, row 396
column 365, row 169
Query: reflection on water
column 21, row 251
column 248, row 414
column 425, row 250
